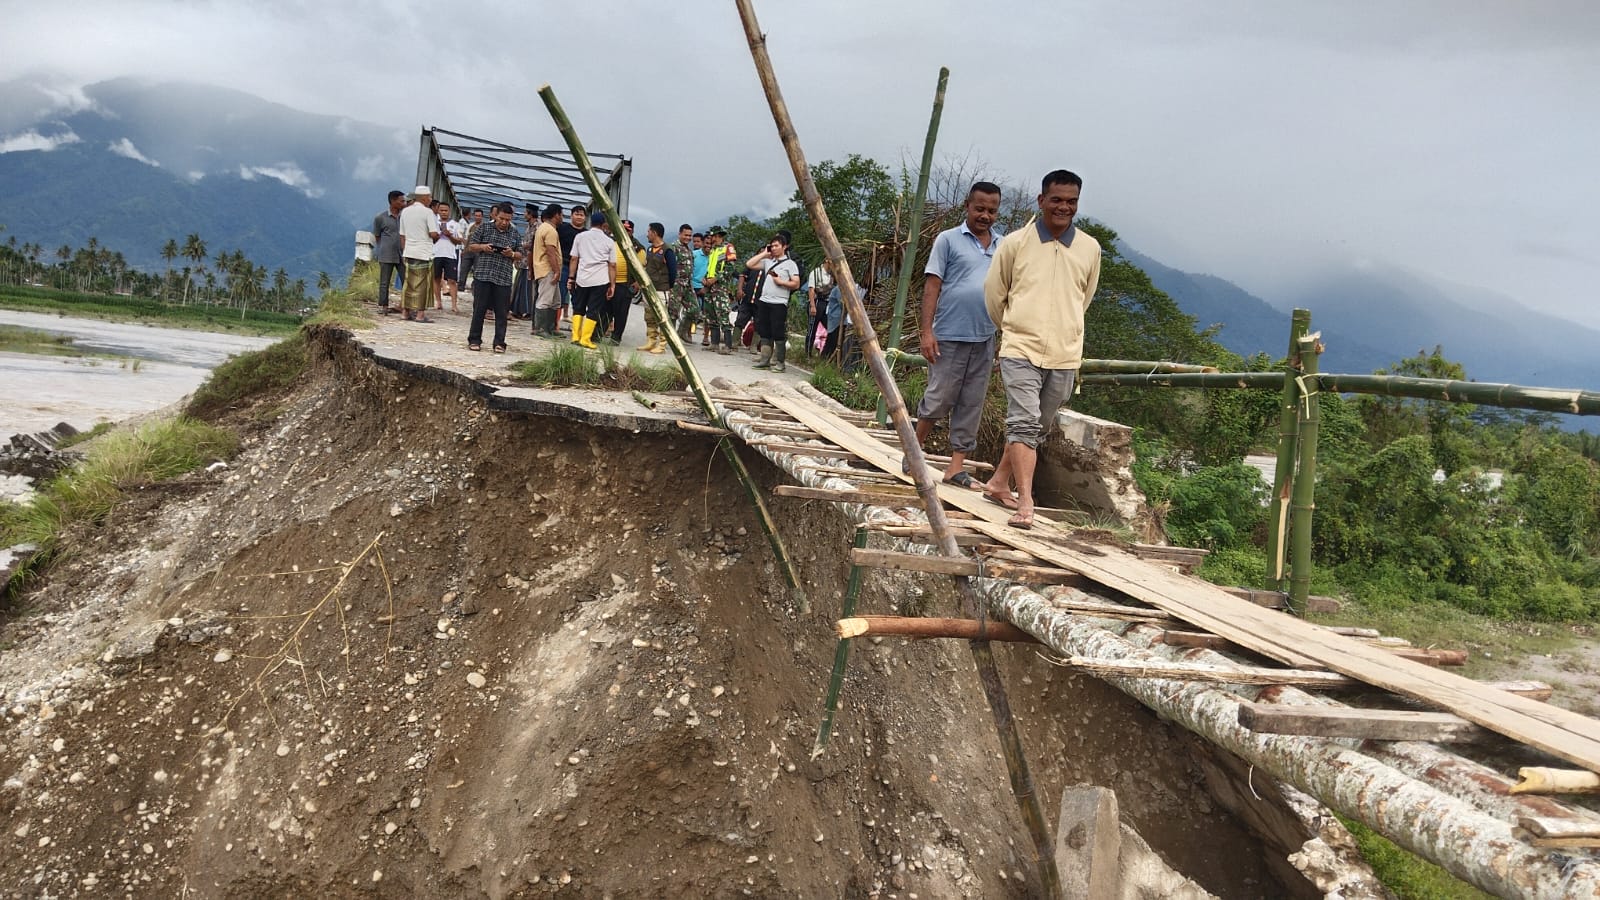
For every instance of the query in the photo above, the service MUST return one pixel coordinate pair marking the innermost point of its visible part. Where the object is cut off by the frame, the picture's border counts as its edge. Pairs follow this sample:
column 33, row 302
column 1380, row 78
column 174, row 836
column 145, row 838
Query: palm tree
column 324, row 282
column 194, row 250
column 280, row 286
column 169, row 252
column 63, row 253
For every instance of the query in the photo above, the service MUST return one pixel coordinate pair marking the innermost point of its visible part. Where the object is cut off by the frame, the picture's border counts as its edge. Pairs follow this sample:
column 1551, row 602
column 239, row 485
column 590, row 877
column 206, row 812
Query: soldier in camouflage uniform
column 722, row 278
column 682, row 305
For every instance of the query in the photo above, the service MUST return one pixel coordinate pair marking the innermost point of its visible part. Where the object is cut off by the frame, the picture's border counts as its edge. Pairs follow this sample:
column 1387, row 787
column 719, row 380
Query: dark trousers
column 772, row 321
column 386, row 276
column 589, row 302
column 521, row 304
column 486, row 296
column 747, row 311
column 621, row 301
column 561, row 284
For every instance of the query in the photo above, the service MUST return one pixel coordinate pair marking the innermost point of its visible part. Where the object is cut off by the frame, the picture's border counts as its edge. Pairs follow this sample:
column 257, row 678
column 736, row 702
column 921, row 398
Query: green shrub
column 1217, row 506
column 266, row 372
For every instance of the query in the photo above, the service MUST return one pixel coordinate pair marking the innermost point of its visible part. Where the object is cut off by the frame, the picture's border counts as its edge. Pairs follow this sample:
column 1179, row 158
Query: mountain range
column 134, row 163
column 1372, row 315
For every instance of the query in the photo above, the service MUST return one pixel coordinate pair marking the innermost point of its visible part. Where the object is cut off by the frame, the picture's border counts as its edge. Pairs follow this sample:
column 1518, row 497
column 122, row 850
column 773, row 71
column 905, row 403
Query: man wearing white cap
column 419, row 228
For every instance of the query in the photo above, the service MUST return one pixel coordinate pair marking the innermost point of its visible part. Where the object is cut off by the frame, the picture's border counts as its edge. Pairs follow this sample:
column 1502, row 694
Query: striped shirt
column 492, row 267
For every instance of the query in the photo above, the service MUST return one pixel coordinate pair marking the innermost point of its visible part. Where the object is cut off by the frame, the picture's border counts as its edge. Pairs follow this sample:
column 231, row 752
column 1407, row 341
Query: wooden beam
column 802, row 449
column 1215, row 642
column 1362, row 724
column 927, row 627
column 889, row 499
column 698, row 428
column 949, row 565
column 849, row 472
column 1280, row 600
column 1543, row 780
column 1106, row 668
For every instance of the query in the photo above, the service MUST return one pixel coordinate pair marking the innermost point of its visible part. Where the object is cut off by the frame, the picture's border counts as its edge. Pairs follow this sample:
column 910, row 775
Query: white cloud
column 371, row 168
column 126, row 148
column 69, row 98
column 33, row 140
column 286, row 172
column 196, row 174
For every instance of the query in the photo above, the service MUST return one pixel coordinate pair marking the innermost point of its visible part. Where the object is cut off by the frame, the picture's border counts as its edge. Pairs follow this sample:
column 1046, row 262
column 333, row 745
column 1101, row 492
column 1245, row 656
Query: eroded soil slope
column 405, row 648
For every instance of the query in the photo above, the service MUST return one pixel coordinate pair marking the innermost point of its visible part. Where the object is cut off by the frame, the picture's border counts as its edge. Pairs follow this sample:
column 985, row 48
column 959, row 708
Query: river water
column 38, row 391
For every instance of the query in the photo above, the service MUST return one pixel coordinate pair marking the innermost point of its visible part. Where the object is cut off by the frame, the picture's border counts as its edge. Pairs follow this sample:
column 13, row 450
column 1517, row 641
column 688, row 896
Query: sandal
column 1022, row 521
column 422, row 319
column 500, row 349
column 474, row 347
column 964, row 479
column 1007, row 503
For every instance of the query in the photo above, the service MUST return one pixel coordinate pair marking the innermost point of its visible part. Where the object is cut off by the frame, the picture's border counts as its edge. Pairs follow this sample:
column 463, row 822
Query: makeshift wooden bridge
column 1075, row 591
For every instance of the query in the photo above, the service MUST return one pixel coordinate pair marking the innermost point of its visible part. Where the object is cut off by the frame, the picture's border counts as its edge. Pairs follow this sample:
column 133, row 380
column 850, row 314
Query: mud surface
column 409, row 647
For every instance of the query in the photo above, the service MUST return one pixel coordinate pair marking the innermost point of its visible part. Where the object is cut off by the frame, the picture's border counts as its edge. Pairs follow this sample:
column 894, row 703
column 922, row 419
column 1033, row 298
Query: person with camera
column 779, row 279
column 496, row 243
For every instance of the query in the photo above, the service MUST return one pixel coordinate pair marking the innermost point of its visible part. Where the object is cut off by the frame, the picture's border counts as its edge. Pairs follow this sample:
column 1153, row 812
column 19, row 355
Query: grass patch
column 83, row 436
column 15, row 339
column 242, row 378
column 153, row 452
column 146, row 310
column 571, row 366
column 1410, row 877
column 345, row 308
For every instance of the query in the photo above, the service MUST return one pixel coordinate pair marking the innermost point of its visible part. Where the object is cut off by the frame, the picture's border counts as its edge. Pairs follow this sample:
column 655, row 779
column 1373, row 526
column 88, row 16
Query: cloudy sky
column 1254, row 140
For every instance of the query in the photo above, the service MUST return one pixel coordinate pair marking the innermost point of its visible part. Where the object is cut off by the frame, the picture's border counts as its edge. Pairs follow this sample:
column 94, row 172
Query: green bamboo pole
column 690, row 374
column 897, row 356
column 1288, row 431
column 1572, row 401
column 1513, row 396
column 841, row 653
column 927, row 487
column 914, row 237
column 1305, row 477
column 1214, row 380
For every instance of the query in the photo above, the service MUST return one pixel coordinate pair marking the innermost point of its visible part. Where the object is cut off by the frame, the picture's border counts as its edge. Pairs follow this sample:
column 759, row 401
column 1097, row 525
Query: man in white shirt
column 593, row 281
column 445, row 258
column 419, row 228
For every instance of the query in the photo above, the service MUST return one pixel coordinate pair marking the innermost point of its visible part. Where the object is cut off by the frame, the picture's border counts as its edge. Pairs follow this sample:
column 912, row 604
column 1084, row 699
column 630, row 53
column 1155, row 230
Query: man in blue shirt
column 957, row 333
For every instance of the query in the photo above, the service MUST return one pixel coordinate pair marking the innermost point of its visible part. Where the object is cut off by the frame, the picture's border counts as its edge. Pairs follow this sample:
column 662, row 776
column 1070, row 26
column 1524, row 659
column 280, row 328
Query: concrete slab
column 438, row 352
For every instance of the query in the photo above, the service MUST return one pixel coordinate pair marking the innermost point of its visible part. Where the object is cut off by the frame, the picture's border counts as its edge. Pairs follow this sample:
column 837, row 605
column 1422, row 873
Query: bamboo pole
column 988, row 672
column 1213, row 380
column 914, row 233
column 897, row 356
column 1288, row 435
column 1510, row 396
column 690, row 374
column 1303, row 500
column 1542, row 780
column 841, row 653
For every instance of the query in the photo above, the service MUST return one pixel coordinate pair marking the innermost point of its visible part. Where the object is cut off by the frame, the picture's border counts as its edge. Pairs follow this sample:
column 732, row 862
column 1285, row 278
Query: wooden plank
column 1222, row 644
column 1132, row 668
column 848, row 472
column 1197, row 639
column 1559, row 828
column 1559, row 732
column 802, row 449
column 889, row 496
column 1363, row 724
column 946, row 565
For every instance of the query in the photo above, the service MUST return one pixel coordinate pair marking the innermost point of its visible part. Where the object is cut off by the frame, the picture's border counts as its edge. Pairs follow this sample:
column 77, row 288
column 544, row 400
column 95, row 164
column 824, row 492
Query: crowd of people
column 563, row 271
column 1013, row 303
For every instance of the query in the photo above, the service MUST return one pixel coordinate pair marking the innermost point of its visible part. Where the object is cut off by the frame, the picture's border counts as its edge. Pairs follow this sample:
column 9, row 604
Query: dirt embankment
column 407, row 648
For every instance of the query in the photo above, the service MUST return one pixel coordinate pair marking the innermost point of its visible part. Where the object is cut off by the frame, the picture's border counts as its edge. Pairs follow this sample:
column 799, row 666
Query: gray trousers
column 1033, row 397
column 958, row 381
